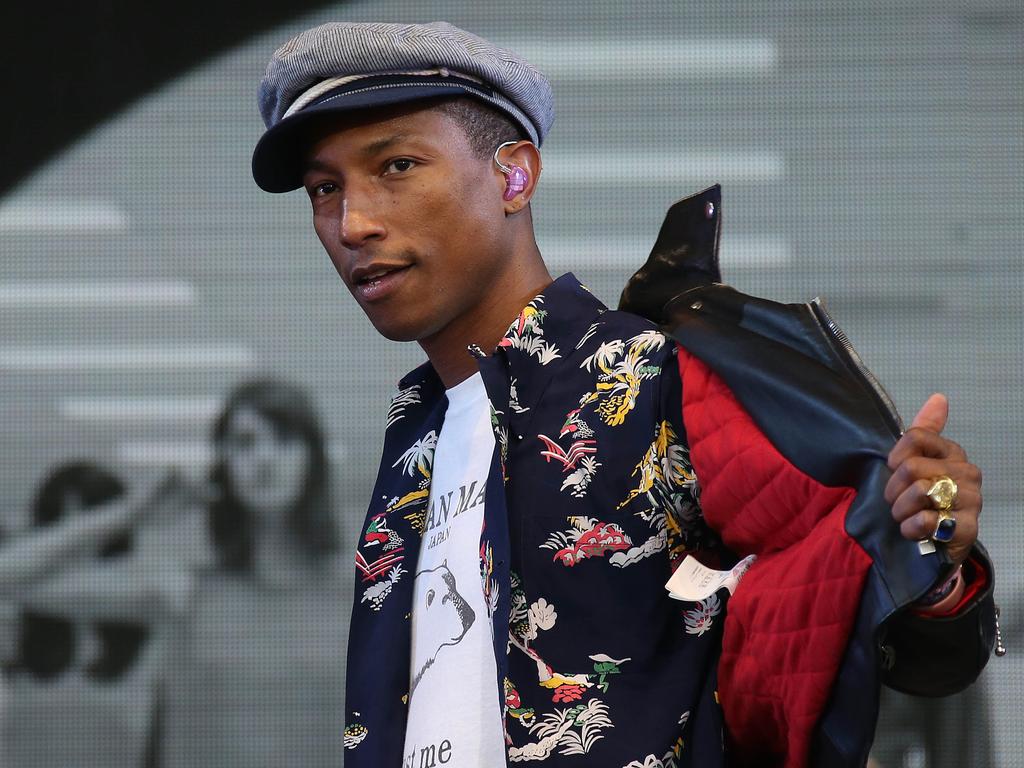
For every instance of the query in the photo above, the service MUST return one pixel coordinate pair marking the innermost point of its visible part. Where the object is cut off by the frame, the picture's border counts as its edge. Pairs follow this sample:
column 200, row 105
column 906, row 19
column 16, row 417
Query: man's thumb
column 933, row 414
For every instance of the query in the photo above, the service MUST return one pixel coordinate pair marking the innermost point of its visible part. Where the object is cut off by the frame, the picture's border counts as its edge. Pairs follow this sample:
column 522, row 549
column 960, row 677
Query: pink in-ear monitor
column 516, row 178
column 515, row 182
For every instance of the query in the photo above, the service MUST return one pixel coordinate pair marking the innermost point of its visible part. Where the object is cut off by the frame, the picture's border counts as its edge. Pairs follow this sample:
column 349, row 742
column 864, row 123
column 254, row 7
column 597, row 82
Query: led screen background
column 870, row 153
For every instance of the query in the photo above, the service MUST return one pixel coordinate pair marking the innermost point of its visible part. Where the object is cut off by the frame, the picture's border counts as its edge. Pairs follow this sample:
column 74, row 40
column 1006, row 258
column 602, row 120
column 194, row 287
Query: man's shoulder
column 616, row 318
column 615, row 362
column 625, row 330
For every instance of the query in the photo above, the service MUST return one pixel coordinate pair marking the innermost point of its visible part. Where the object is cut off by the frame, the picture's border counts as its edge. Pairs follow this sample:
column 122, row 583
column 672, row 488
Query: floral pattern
column 586, row 538
column 571, row 731
column 579, row 461
column 513, row 398
column 376, row 593
column 699, row 620
column 488, row 583
column 401, row 400
column 354, row 734
column 527, row 334
column 621, row 367
column 667, row 481
column 417, row 462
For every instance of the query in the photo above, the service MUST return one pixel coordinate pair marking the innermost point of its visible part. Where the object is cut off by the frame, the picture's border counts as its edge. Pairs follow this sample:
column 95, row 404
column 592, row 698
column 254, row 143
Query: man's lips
column 375, row 281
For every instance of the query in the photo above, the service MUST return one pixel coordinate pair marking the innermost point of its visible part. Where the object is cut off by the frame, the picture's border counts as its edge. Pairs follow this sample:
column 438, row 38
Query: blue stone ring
column 945, row 528
column 943, row 496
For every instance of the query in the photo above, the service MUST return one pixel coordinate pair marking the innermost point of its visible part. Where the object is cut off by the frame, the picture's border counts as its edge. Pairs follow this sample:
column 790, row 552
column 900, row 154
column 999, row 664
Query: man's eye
column 323, row 189
column 401, row 165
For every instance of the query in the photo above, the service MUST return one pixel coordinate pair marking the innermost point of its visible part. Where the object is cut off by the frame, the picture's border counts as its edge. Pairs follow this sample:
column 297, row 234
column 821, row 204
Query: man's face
column 411, row 217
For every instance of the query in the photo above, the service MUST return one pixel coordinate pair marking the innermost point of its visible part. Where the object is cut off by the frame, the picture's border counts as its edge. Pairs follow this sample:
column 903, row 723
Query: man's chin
column 401, row 331
column 397, row 335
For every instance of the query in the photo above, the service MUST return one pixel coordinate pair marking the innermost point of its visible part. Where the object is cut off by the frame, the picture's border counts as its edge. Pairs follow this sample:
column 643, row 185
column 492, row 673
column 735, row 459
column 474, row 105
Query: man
column 553, row 463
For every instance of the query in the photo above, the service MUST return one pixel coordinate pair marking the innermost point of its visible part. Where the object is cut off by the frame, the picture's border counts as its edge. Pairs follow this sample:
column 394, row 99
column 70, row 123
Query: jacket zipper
column 1000, row 648
column 842, row 346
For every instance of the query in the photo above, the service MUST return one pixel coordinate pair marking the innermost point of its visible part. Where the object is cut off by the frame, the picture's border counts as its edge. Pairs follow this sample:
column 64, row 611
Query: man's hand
column 920, row 457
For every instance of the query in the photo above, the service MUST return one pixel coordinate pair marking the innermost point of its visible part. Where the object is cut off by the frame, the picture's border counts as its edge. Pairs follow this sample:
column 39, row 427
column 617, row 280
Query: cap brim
column 279, row 158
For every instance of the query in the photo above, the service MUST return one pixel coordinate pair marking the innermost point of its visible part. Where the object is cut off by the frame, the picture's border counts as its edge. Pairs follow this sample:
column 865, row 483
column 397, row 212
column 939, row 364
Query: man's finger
column 920, row 467
column 922, row 526
column 921, row 442
column 933, row 414
column 913, row 501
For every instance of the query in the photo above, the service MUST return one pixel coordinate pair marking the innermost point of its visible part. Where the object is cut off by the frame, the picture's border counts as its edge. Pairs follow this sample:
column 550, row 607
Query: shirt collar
column 544, row 334
column 557, row 316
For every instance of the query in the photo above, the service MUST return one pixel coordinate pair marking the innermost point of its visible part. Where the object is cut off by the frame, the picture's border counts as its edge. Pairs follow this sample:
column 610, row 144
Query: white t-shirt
column 454, row 716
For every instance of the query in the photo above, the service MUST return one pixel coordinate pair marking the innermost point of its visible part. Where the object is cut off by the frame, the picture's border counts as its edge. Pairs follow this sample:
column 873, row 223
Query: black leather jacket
column 796, row 374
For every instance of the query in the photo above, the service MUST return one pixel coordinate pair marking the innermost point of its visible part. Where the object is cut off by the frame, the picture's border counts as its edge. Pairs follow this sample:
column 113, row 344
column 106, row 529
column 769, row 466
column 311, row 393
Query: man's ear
column 523, row 155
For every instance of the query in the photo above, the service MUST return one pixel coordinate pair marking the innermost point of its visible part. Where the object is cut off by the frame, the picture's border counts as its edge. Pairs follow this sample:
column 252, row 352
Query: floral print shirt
column 591, row 502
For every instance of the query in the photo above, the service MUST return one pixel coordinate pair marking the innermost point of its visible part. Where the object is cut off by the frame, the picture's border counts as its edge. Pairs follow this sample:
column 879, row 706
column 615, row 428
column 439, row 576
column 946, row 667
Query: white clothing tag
column 693, row 581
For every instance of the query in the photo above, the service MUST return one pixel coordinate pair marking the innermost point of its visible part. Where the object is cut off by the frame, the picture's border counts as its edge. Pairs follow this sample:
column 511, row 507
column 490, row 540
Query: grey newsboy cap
column 344, row 66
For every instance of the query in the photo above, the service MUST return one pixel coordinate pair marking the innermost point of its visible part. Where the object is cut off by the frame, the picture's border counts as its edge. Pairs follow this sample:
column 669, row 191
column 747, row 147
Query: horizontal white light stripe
column 597, row 167
column 101, row 293
column 201, row 409
column 736, row 251
column 29, row 216
column 187, row 453
column 126, row 357
column 749, row 251
column 602, row 59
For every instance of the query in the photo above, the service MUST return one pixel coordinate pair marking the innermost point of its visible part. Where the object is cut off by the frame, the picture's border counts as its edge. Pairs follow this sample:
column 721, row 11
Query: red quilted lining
column 788, row 623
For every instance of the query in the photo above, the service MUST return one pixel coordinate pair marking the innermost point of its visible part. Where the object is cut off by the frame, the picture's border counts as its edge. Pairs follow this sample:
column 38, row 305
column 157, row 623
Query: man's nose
column 360, row 221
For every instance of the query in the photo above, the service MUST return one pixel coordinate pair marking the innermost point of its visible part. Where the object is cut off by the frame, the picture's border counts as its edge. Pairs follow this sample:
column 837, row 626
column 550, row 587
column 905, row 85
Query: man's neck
column 448, row 350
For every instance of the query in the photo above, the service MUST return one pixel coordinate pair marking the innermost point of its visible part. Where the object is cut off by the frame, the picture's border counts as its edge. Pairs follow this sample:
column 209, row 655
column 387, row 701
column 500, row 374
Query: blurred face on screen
column 268, row 470
column 411, row 217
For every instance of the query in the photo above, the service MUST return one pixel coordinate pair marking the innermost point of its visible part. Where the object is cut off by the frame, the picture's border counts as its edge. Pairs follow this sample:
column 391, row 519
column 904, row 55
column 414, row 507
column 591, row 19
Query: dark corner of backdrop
column 67, row 66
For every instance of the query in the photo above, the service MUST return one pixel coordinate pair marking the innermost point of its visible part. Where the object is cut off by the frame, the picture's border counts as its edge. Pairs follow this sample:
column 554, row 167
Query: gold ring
column 943, row 494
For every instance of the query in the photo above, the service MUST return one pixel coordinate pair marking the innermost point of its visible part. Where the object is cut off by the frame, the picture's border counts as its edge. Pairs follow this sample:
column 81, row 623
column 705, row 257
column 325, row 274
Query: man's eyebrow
column 381, row 144
column 315, row 164
column 371, row 149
